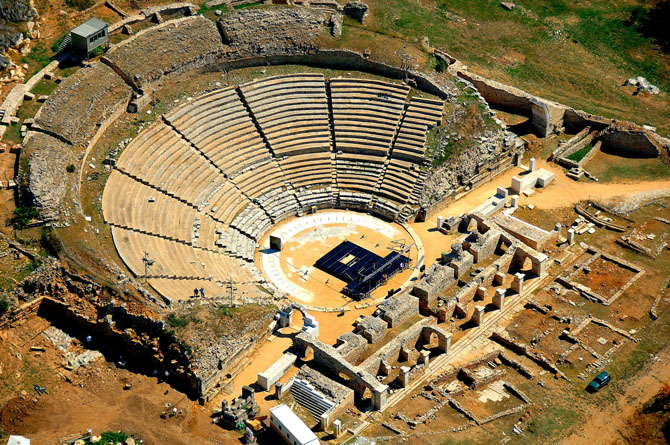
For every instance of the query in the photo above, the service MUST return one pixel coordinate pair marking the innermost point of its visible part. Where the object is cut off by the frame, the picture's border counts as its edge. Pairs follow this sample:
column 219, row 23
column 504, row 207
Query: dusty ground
column 91, row 397
column 642, row 388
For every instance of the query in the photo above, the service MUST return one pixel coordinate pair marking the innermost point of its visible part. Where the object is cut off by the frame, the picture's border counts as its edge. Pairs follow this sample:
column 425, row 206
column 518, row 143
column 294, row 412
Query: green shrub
column 176, row 321
column 579, row 154
column 23, row 215
column 440, row 65
column 4, row 307
column 70, row 168
column 111, row 438
column 79, row 4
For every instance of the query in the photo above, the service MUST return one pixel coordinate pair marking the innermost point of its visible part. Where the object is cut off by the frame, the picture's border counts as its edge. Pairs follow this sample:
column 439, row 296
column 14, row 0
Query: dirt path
column 564, row 192
column 607, row 421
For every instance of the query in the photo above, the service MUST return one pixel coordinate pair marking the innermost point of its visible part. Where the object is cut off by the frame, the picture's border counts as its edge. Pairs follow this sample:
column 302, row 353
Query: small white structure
column 536, row 178
column 290, row 427
column 310, row 325
column 18, row 440
column 276, row 371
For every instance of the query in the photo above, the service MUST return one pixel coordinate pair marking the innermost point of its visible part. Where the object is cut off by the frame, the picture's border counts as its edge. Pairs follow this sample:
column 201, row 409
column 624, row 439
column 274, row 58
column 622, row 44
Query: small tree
column 23, row 215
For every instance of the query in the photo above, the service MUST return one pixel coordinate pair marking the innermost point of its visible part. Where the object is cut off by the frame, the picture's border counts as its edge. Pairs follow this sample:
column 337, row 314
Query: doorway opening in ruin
column 309, row 354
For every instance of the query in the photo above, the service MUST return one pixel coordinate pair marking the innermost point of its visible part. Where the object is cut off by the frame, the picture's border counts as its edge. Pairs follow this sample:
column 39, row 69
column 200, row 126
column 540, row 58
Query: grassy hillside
column 577, row 53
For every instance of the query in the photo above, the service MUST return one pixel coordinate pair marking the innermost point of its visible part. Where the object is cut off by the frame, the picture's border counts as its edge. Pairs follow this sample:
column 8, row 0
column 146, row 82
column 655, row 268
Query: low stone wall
column 148, row 13
column 20, row 315
column 546, row 117
column 339, row 59
column 631, row 142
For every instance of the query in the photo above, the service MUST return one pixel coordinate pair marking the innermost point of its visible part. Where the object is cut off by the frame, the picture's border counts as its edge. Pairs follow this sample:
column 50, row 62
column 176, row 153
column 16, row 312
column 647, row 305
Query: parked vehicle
column 600, row 381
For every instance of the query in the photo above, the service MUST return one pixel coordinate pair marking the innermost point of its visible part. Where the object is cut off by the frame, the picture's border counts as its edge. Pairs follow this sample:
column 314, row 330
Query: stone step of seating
column 131, row 204
column 173, row 259
column 219, row 125
column 226, row 203
column 399, row 180
column 314, row 196
column 291, row 111
column 366, row 113
column 250, row 218
column 168, row 163
column 420, row 115
column 259, row 179
column 354, row 199
column 184, row 289
column 278, row 203
column 386, row 207
column 310, row 398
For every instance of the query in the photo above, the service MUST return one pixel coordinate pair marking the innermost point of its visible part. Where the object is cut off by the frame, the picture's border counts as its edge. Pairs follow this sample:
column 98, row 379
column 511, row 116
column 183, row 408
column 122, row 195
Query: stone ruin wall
column 54, row 293
column 212, row 370
column 547, row 117
column 406, row 339
column 126, row 328
column 150, row 13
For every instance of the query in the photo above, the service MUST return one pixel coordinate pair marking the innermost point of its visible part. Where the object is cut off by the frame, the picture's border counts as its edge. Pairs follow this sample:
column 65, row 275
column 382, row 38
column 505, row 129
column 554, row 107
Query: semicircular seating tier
column 191, row 195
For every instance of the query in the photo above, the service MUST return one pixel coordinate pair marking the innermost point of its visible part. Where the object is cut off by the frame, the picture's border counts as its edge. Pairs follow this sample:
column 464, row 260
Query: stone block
column 478, row 316
column 276, row 371
column 499, row 298
column 517, row 283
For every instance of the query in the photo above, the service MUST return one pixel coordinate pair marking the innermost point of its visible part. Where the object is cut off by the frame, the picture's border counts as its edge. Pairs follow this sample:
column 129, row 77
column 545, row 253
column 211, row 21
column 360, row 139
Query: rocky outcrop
column 262, row 32
column 486, row 158
column 9, row 38
column 46, row 180
column 356, row 10
column 17, row 11
column 13, row 15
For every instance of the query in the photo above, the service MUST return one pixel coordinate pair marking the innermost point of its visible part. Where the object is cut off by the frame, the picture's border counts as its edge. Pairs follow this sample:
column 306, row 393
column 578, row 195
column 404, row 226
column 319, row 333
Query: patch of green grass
column 612, row 168
column 207, row 11
column 57, row 42
column 181, row 321
column 579, row 154
column 176, row 321
column 13, row 134
column 632, row 171
column 44, row 87
column 39, row 57
column 552, row 422
column 608, row 33
column 526, row 71
column 67, row 72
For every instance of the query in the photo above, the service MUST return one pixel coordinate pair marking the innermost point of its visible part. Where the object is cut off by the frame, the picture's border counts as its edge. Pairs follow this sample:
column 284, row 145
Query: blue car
column 599, row 382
